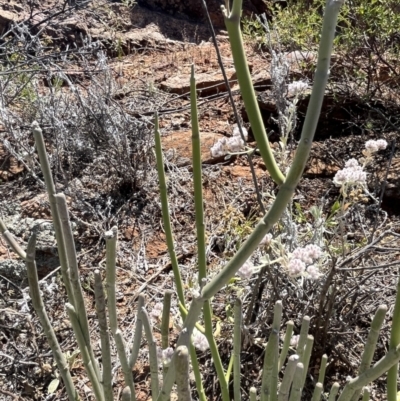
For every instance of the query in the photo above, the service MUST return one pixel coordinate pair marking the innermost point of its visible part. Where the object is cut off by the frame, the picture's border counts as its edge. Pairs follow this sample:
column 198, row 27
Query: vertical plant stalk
column 253, row 394
column 201, row 238
column 137, row 337
column 284, row 389
column 168, row 380
column 104, row 337
column 394, row 341
column 165, row 319
column 307, row 355
column 286, row 343
column 51, row 191
column 305, row 326
column 126, row 370
column 322, row 369
column 87, row 361
column 38, row 305
column 317, row 392
column 366, row 394
column 70, row 249
column 334, row 391
column 182, row 374
column 370, row 344
column 165, row 325
column 237, row 343
column 232, row 22
column 111, row 258
column 165, row 212
column 148, row 330
column 297, row 387
column 126, row 394
column 269, row 381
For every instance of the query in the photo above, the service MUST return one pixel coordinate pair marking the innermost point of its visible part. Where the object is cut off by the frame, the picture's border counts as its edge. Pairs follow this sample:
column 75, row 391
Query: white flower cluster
column 373, row 146
column 199, row 340
column 352, row 174
column 300, row 258
column 297, row 87
column 164, row 356
column 266, row 240
column 233, row 144
column 156, row 312
column 246, row 271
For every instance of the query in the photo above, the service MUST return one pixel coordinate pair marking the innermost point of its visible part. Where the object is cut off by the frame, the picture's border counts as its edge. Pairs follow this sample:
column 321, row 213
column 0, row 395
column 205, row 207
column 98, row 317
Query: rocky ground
column 111, row 180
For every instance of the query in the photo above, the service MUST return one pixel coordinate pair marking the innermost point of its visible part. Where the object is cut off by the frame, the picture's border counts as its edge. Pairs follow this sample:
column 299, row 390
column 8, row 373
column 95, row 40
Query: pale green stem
column 126, row 370
column 148, row 331
column 237, row 341
column 8, row 237
column 370, row 344
column 317, row 392
column 334, row 391
column 305, row 326
column 51, row 191
column 165, row 325
column 393, row 373
column 137, row 338
column 366, row 394
column 165, row 212
column 232, row 22
column 201, row 238
column 230, row 368
column 38, row 305
column 111, row 237
column 87, row 361
column 126, row 394
column 253, row 394
column 297, row 387
column 111, row 257
column 380, row 367
column 322, row 369
column 182, row 374
column 104, row 336
column 307, row 355
column 284, row 389
column 70, row 249
column 174, row 262
column 165, row 319
column 269, row 381
column 286, row 344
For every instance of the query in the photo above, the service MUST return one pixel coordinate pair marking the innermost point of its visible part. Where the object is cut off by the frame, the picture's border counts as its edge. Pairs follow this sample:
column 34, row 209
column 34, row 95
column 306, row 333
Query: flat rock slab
column 178, row 147
column 207, row 83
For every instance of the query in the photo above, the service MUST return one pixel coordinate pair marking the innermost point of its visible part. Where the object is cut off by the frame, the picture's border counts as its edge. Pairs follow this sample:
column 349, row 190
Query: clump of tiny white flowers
column 352, row 174
column 300, row 258
column 246, row 271
column 156, row 312
column 164, row 356
column 374, row 146
column 297, row 87
column 294, row 341
column 266, row 240
column 199, row 340
column 233, row 144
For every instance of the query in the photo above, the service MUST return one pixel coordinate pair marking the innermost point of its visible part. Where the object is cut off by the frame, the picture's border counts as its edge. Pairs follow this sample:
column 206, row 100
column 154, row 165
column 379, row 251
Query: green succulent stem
column 201, row 237
column 393, row 373
column 104, row 336
column 38, row 305
column 232, row 22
